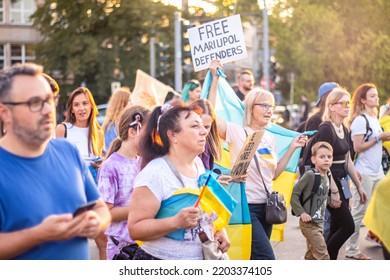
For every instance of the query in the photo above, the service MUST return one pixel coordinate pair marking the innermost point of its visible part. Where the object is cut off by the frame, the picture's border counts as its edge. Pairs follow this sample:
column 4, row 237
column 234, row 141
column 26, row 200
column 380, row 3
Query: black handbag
column 275, row 208
column 275, row 211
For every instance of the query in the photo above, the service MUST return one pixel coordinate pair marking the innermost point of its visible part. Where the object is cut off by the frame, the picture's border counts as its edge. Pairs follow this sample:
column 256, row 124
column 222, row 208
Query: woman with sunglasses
column 191, row 91
column 259, row 105
column 367, row 137
column 333, row 131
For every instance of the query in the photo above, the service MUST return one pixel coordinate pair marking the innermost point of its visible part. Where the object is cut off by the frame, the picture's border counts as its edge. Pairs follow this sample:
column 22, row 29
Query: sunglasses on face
column 343, row 104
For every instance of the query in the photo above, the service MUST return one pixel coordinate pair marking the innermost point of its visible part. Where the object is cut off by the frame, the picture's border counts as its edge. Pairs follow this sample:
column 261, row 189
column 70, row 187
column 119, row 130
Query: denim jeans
column 261, row 233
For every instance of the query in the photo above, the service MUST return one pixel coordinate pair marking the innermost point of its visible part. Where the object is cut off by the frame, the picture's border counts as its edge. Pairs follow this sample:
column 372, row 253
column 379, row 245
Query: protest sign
column 220, row 39
column 246, row 154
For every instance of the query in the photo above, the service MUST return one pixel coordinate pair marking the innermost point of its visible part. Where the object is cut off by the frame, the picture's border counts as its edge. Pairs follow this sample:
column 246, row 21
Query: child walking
column 310, row 204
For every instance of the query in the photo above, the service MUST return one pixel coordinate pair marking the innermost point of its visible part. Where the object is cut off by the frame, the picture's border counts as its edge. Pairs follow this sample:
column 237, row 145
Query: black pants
column 342, row 225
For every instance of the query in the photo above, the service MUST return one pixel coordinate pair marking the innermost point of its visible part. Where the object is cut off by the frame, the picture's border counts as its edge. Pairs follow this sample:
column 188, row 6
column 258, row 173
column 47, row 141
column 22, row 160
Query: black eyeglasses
column 36, row 104
column 265, row 106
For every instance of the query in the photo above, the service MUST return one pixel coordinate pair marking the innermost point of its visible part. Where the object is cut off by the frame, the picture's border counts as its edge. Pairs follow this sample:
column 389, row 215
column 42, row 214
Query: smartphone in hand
column 84, row 208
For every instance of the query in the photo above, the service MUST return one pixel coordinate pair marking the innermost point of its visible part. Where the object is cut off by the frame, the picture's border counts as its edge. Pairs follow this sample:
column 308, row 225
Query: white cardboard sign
column 220, row 39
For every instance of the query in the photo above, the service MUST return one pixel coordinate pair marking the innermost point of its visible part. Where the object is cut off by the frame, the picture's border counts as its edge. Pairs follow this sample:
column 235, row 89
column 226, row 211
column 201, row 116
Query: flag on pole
column 148, row 91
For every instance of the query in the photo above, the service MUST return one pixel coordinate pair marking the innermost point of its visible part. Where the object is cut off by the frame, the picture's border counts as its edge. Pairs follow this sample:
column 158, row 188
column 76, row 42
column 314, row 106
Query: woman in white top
column 259, row 105
column 367, row 142
column 82, row 129
column 177, row 136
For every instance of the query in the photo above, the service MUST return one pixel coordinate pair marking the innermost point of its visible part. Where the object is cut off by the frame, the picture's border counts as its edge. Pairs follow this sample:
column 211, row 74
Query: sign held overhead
column 220, row 39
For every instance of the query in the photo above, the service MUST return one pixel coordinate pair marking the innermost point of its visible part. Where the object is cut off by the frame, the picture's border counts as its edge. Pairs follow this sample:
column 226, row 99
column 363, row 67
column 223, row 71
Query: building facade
column 17, row 35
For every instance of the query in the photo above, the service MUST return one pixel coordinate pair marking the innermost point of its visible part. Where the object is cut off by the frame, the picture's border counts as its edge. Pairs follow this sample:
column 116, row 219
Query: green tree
column 99, row 41
column 343, row 41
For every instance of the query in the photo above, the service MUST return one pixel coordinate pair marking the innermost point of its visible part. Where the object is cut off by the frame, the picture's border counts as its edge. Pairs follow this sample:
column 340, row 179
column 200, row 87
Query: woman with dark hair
column 173, row 139
column 117, row 173
column 367, row 137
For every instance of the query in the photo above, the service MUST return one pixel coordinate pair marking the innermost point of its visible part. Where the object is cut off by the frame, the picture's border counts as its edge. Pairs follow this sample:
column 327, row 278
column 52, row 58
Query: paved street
column 294, row 245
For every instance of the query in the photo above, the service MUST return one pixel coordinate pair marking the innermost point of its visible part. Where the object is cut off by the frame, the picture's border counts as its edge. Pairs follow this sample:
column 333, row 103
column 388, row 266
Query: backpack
column 316, row 185
column 367, row 135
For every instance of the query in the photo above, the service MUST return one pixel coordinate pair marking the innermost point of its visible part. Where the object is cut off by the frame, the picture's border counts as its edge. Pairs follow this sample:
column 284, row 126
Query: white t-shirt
column 265, row 153
column 79, row 137
column 369, row 162
column 162, row 182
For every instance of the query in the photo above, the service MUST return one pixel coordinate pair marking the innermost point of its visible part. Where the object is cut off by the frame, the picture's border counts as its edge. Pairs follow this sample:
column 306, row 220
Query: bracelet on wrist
column 377, row 139
column 334, row 192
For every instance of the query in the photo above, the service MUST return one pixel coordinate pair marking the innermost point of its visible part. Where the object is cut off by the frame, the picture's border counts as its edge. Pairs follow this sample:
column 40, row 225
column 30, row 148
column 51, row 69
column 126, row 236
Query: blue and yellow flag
column 214, row 198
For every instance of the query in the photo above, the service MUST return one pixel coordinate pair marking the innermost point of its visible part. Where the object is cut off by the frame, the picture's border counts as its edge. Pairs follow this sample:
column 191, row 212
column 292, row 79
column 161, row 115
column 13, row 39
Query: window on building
column 2, row 57
column 22, row 53
column 1, row 11
column 21, row 10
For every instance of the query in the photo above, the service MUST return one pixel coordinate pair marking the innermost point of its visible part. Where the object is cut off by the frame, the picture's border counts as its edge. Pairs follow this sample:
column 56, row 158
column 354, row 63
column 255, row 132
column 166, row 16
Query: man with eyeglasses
column 36, row 205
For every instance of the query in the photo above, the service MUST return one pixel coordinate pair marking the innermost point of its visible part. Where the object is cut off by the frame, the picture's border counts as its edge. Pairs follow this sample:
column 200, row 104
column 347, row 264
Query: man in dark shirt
column 246, row 83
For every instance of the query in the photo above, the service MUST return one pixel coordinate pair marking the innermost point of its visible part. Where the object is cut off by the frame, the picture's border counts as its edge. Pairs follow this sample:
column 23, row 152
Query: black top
column 306, row 111
column 314, row 122
column 240, row 95
column 327, row 133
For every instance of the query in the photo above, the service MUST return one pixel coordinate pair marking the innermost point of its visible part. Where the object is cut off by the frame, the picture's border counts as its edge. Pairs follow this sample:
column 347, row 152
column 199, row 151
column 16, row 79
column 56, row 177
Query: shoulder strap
column 66, row 130
column 368, row 129
column 258, row 167
column 316, row 185
column 174, row 169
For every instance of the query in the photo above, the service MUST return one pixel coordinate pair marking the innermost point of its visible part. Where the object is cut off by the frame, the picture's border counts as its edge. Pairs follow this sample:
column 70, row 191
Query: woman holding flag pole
column 163, row 212
column 259, row 105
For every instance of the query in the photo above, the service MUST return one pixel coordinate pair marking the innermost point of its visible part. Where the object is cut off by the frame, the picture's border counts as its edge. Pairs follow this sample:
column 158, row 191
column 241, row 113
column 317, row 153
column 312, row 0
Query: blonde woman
column 259, row 105
column 333, row 131
column 118, row 101
column 367, row 137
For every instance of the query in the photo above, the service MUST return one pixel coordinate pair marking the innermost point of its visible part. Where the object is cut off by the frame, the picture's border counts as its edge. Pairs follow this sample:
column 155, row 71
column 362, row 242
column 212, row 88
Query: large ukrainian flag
column 231, row 109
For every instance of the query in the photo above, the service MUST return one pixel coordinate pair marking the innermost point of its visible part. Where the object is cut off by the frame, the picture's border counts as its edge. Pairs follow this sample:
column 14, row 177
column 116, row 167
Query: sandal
column 359, row 257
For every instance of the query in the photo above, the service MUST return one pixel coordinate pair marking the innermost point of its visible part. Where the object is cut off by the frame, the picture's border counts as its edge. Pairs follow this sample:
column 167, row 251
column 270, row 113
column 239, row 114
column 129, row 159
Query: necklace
column 338, row 129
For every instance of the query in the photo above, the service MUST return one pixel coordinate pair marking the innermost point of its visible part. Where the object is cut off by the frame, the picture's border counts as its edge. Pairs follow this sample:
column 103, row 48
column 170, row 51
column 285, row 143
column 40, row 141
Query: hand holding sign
column 246, row 154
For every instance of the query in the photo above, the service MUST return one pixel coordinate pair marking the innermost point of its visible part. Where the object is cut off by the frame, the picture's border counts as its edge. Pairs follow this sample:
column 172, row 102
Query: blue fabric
column 283, row 139
column 228, row 105
column 31, row 189
column 109, row 135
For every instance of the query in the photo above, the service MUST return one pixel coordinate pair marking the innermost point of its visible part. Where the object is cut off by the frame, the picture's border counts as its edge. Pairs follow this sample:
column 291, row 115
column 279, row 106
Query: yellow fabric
column 239, row 235
column 385, row 124
column 210, row 203
column 377, row 217
column 284, row 184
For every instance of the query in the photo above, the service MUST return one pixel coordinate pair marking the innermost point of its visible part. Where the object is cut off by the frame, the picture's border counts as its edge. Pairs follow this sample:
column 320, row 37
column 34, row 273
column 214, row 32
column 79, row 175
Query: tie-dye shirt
column 116, row 179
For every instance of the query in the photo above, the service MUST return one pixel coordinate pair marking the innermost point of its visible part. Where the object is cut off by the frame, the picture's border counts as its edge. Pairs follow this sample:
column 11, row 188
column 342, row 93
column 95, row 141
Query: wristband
column 334, row 192
column 376, row 139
